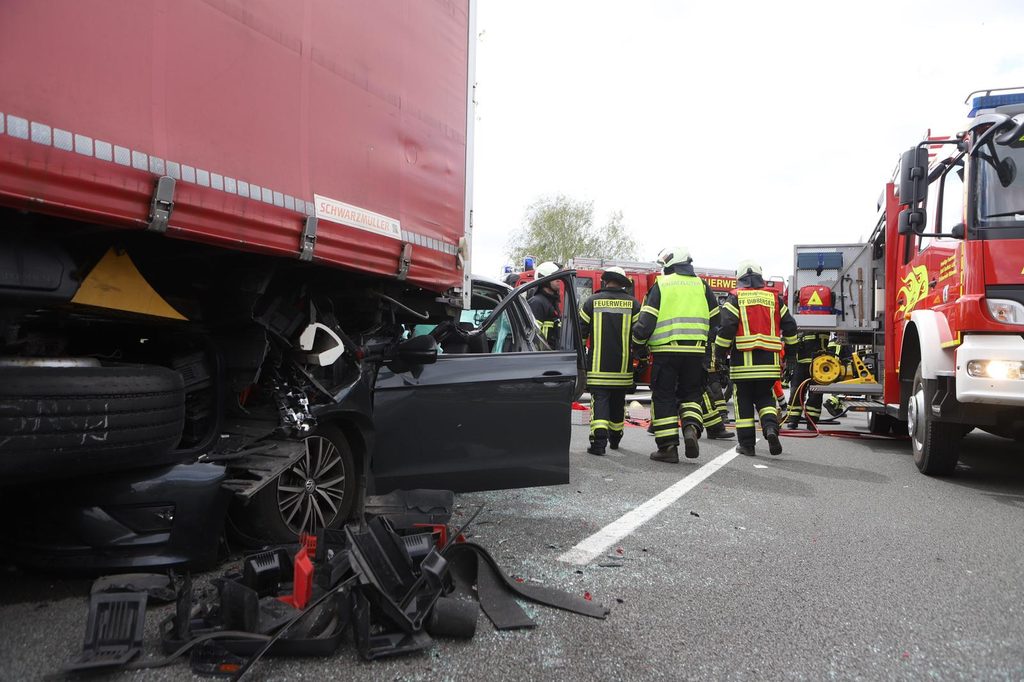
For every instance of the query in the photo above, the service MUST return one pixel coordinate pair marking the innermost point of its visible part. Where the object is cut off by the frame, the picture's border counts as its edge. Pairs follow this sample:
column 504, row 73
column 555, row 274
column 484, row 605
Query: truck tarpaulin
column 263, row 113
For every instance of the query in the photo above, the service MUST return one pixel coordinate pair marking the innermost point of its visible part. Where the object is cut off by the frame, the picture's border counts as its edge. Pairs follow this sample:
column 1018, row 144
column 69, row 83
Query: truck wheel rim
column 915, row 418
column 310, row 493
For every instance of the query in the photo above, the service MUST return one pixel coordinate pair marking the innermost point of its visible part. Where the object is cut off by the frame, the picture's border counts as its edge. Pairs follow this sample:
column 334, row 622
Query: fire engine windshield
column 1000, row 190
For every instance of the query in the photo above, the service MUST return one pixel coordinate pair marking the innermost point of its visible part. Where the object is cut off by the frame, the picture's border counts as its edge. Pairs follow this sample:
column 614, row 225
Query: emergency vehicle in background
column 643, row 275
column 937, row 290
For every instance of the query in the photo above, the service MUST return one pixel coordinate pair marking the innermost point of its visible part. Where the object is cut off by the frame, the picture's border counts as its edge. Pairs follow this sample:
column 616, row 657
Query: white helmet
column 545, row 269
column 748, row 266
column 673, row 256
column 615, row 274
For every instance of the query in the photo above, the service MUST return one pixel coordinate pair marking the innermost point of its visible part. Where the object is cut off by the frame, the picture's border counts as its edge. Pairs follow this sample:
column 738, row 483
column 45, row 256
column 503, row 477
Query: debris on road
column 392, row 582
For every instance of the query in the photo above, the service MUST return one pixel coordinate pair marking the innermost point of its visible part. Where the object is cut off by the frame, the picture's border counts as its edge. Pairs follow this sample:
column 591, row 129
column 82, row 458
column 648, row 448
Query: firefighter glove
column 791, row 364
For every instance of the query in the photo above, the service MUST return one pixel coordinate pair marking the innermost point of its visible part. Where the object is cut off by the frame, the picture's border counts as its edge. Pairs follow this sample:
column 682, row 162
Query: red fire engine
column 643, row 274
column 938, row 288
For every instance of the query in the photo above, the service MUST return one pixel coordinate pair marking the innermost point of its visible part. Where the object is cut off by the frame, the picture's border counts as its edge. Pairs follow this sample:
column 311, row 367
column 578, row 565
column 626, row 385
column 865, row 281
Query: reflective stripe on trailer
column 21, row 128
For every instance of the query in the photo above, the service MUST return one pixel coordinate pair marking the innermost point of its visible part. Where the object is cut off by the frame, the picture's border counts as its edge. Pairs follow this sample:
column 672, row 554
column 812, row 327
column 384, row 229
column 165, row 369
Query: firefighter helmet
column 673, row 256
column 615, row 274
column 747, row 267
column 545, row 269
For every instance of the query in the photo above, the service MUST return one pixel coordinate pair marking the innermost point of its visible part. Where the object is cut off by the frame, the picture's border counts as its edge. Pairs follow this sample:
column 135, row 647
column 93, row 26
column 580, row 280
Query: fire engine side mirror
column 1013, row 136
column 958, row 231
column 911, row 221
column 914, row 176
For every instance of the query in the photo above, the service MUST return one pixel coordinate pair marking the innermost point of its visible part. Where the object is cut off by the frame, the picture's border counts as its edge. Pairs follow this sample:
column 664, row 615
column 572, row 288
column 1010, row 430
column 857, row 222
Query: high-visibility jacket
column 605, row 320
column 810, row 344
column 753, row 320
column 678, row 315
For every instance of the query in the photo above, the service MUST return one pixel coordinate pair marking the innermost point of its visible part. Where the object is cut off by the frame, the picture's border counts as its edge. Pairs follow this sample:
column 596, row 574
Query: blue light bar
column 993, row 101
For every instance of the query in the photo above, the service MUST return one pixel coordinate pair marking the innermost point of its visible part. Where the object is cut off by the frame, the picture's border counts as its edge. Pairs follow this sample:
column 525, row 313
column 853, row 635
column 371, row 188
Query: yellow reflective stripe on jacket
column 680, row 329
column 679, row 348
column 752, row 341
column 625, row 334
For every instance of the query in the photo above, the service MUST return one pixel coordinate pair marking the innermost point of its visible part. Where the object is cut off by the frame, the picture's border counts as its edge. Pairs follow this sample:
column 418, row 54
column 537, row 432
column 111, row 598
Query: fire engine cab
column 938, row 289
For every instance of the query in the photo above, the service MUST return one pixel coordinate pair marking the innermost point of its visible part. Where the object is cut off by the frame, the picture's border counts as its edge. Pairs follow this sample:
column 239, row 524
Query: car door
column 493, row 415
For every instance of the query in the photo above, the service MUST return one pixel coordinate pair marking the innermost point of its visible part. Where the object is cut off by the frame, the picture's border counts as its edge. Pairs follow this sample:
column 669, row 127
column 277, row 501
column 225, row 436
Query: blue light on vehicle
column 993, row 101
column 528, row 263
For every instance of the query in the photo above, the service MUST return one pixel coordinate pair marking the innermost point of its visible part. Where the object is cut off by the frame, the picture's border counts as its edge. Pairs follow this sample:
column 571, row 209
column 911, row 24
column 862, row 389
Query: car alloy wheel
column 311, row 492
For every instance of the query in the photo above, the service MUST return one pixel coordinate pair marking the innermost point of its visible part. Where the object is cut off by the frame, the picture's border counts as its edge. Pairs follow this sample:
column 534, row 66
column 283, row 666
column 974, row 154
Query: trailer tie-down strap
column 497, row 592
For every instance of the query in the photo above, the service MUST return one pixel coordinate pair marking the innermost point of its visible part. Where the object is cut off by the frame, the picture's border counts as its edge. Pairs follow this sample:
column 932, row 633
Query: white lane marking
column 596, row 545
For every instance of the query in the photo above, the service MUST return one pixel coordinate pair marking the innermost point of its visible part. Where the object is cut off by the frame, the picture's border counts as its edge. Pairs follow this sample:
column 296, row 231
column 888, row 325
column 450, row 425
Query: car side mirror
column 419, row 350
column 911, row 221
column 913, row 176
column 958, row 231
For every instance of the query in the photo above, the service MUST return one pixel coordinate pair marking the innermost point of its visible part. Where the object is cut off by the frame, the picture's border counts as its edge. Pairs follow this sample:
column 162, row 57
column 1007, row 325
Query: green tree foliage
column 559, row 228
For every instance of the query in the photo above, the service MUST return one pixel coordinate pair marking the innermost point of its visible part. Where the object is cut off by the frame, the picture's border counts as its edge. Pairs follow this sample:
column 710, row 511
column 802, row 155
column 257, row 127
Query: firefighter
column 809, row 344
column 753, row 320
column 544, row 304
column 716, row 412
column 605, row 320
column 678, row 315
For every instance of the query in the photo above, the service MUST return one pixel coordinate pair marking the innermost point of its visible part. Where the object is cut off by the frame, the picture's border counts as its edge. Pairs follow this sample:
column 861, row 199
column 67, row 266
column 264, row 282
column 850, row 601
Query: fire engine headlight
column 996, row 369
column 1005, row 311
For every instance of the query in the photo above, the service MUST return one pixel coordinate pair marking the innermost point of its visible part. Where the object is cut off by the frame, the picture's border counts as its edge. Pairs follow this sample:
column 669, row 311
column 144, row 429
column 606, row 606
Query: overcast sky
column 737, row 129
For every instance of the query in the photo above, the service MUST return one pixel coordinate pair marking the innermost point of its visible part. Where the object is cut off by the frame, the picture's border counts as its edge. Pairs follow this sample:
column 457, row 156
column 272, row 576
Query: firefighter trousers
column 753, row 399
column 677, row 382
column 715, row 410
column 607, row 414
column 813, row 400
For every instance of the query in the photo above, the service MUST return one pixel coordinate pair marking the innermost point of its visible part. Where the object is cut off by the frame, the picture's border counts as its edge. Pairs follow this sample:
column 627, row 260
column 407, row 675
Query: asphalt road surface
column 835, row 560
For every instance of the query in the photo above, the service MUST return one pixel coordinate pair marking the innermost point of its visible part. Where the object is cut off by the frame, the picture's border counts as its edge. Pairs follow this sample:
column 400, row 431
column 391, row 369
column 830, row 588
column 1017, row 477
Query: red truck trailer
column 938, row 289
column 233, row 238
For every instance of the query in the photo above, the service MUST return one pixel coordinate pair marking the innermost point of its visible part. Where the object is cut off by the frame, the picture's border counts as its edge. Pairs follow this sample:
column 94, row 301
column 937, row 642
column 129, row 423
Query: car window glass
column 584, row 288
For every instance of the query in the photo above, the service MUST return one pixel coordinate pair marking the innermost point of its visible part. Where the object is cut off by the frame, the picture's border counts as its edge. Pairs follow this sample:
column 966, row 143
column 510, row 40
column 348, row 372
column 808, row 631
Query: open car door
column 494, row 410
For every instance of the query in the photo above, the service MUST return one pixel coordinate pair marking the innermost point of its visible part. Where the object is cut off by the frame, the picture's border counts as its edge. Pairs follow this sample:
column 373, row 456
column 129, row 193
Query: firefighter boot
column 747, row 450
column 596, row 446
column 771, row 434
column 669, row 453
column 690, row 445
column 718, row 432
column 614, row 439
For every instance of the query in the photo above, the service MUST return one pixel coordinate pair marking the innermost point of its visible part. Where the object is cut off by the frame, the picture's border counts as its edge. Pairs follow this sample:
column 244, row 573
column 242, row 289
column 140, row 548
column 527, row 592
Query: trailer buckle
column 308, row 242
column 404, row 261
column 162, row 205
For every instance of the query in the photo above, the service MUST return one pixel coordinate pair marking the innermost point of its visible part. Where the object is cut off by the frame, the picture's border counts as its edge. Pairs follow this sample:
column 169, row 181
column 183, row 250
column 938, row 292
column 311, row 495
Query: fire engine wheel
column 935, row 444
column 316, row 492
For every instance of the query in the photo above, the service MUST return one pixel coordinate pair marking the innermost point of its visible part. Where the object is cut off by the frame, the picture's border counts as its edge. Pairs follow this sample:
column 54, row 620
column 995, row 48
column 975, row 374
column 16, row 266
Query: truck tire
column 58, row 422
column 317, row 492
column 879, row 424
column 936, row 444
